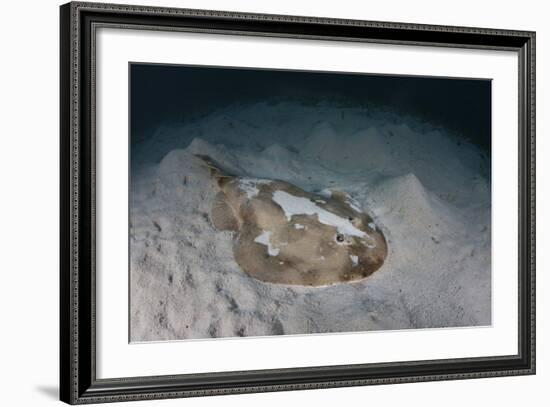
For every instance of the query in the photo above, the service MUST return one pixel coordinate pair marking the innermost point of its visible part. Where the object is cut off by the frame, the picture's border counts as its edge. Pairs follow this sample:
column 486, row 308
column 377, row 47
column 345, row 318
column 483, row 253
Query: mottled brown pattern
column 304, row 250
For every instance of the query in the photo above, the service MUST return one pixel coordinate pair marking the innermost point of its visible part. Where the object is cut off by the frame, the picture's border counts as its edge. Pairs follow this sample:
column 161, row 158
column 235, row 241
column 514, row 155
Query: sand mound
column 365, row 149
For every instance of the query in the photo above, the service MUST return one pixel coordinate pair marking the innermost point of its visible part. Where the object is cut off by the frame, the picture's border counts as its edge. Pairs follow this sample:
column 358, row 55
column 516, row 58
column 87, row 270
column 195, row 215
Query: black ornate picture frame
column 78, row 381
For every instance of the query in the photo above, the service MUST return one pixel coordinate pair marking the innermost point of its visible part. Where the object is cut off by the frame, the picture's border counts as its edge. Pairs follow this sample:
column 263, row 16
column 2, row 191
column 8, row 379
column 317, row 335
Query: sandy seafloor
column 428, row 190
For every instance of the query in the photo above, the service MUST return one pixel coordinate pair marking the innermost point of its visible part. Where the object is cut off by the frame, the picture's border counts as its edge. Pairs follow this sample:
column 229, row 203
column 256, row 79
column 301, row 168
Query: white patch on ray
column 294, row 205
column 264, row 239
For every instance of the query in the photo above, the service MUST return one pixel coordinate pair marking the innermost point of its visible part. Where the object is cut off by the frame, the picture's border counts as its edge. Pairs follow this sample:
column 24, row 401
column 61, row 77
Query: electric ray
column 286, row 235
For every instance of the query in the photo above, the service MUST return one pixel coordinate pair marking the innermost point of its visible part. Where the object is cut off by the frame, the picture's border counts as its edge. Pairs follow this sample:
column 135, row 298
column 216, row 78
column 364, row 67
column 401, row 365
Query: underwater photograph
column 284, row 202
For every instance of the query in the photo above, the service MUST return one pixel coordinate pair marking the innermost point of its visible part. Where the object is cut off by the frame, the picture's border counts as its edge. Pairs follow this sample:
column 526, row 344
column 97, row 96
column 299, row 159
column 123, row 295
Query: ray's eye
column 340, row 237
column 350, row 218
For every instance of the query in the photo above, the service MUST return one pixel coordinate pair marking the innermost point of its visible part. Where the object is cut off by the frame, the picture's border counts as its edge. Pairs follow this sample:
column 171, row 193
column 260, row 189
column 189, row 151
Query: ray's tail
column 216, row 170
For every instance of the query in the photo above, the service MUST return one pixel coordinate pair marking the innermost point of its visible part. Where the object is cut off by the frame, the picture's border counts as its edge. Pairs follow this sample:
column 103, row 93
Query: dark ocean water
column 175, row 94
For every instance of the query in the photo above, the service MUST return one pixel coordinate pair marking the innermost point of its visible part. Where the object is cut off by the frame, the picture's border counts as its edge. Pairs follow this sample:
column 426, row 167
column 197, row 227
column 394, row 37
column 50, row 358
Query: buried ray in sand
column 310, row 213
column 285, row 235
